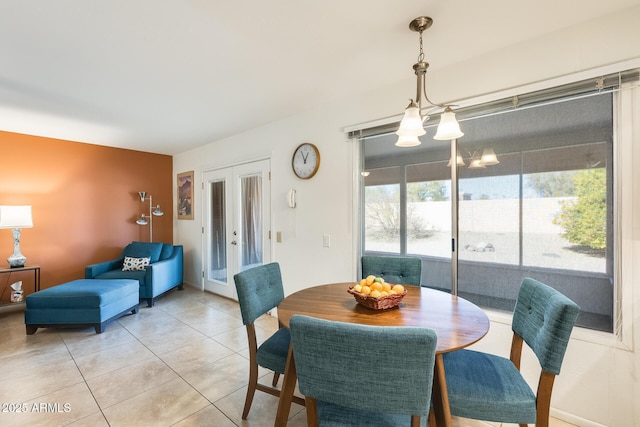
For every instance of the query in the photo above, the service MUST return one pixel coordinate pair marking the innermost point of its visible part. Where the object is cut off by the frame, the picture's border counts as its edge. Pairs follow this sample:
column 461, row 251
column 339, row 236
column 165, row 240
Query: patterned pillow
column 135, row 264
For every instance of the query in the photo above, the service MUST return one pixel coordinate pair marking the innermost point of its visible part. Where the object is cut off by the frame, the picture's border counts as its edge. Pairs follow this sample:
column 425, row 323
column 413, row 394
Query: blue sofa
column 163, row 273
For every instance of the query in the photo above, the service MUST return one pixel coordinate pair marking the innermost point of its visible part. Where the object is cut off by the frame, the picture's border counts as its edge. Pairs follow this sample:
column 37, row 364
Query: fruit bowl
column 377, row 303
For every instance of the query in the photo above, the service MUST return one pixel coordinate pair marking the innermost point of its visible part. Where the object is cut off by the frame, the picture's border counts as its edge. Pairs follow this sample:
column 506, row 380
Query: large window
column 544, row 210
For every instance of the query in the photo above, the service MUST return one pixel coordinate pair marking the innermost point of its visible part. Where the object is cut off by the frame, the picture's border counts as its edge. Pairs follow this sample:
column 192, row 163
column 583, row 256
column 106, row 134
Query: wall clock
column 306, row 160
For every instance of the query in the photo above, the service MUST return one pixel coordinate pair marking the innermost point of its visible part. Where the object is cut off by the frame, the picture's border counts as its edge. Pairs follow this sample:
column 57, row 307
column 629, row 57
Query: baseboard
column 574, row 419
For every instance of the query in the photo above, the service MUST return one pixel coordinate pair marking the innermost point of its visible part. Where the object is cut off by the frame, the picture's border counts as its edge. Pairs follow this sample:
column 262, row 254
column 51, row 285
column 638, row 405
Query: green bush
column 585, row 219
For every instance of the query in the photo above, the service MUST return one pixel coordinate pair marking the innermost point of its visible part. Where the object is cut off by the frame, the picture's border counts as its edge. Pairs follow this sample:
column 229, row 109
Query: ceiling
column 167, row 76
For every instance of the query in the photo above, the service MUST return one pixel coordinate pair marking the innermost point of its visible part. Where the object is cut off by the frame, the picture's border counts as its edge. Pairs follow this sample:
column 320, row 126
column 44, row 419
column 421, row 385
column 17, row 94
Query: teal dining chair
column 403, row 270
column 490, row 388
column 362, row 375
column 260, row 290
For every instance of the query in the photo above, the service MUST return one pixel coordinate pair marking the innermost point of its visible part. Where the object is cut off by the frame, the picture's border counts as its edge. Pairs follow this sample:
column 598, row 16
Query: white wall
column 599, row 382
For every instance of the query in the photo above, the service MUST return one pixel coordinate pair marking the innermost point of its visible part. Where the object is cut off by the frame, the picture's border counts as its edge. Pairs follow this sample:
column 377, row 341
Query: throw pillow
column 135, row 264
column 143, row 250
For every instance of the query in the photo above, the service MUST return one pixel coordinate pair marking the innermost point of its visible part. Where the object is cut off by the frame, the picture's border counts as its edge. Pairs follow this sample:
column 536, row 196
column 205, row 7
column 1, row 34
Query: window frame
column 625, row 132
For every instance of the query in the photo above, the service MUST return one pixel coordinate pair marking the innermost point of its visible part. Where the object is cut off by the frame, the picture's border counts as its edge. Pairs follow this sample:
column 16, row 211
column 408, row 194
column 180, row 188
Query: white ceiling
column 165, row 76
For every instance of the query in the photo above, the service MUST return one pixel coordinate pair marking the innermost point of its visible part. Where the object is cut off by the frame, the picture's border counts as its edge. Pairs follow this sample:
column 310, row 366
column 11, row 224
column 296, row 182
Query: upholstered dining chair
column 404, row 270
column 259, row 290
column 490, row 388
column 363, row 375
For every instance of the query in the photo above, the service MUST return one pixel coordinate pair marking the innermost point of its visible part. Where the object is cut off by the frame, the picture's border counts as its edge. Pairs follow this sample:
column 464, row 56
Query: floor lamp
column 148, row 219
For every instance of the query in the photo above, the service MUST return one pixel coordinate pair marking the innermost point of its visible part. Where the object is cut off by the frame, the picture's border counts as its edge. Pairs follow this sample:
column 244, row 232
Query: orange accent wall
column 84, row 201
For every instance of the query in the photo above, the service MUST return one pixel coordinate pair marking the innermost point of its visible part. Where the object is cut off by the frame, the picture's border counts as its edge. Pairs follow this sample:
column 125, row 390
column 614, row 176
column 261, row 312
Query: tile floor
column 182, row 363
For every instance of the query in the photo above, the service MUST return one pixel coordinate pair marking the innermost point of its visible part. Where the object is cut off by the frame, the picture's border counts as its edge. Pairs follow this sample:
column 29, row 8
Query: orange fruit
column 357, row 288
column 370, row 279
column 376, row 286
column 398, row 289
column 375, row 294
column 365, row 290
column 386, row 287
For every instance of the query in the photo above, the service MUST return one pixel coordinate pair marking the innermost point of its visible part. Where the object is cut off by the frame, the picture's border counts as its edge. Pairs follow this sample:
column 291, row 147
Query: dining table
column 458, row 323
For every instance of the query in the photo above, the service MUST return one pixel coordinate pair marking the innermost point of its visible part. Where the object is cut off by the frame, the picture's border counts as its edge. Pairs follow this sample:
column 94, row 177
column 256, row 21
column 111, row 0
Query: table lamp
column 16, row 217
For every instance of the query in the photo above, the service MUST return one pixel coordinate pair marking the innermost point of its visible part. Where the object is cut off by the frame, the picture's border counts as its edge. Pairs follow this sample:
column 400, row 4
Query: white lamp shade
column 448, row 128
column 476, row 164
column 459, row 161
column 407, row 141
column 411, row 124
column 489, row 157
column 142, row 220
column 15, row 217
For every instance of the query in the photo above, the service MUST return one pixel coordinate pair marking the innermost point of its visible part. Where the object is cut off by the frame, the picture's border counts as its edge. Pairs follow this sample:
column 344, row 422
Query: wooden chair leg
column 251, row 391
column 432, row 418
column 276, row 377
column 312, row 411
column 253, row 371
column 543, row 399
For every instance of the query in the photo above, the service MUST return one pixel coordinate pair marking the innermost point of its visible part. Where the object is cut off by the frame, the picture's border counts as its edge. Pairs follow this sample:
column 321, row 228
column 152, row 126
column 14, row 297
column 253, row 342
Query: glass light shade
column 142, row 220
column 489, row 157
column 15, row 217
column 476, row 164
column 407, row 141
column 448, row 128
column 157, row 211
column 411, row 124
column 459, row 161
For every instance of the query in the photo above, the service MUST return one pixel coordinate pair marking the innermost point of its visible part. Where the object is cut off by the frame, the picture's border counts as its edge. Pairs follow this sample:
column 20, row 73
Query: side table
column 5, row 286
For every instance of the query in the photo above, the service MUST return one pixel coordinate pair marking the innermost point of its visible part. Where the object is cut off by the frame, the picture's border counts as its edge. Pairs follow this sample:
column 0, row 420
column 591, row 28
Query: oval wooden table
column 457, row 322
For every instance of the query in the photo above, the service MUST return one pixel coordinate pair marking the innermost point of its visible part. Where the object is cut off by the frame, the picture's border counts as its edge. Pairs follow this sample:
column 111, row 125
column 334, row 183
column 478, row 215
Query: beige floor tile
column 223, row 322
column 42, row 380
column 195, row 355
column 99, row 363
column 220, row 378
column 82, row 344
column 116, row 386
column 96, row 419
column 31, row 355
column 263, row 408
column 61, row 407
column 163, row 405
column 235, row 339
column 209, row 416
column 171, row 339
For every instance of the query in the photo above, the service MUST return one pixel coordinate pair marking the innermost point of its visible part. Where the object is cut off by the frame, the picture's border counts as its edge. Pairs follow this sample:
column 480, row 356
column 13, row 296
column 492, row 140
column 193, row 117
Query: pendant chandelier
column 411, row 126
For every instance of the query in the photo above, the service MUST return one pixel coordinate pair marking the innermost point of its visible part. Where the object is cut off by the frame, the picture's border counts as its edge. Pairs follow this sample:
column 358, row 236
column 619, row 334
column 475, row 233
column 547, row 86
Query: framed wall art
column 185, row 195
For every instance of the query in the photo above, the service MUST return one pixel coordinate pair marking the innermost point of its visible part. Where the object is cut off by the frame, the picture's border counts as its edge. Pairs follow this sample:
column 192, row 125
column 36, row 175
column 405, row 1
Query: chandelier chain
column 421, row 55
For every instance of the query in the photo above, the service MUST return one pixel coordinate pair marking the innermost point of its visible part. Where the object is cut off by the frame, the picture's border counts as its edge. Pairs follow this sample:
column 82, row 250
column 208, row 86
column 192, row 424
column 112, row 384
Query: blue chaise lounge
column 158, row 267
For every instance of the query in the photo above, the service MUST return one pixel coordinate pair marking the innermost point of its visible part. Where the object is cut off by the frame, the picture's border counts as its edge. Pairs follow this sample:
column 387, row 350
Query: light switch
column 326, row 240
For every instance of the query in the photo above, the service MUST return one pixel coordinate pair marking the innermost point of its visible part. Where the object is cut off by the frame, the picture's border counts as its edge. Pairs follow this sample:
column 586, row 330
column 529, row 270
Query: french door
column 237, row 223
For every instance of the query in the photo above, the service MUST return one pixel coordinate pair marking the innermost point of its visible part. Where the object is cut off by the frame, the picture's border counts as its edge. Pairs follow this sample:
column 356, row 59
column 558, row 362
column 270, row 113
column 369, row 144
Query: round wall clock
column 306, row 160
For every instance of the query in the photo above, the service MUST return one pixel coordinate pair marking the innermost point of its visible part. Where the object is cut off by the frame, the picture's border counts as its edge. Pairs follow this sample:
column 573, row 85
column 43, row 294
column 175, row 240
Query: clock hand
column 305, row 157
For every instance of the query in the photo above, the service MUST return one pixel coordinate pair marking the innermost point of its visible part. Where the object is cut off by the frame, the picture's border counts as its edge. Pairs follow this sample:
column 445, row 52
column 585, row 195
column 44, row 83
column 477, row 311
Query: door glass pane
column 218, row 251
column 429, row 217
column 488, row 217
column 382, row 218
column 252, row 222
